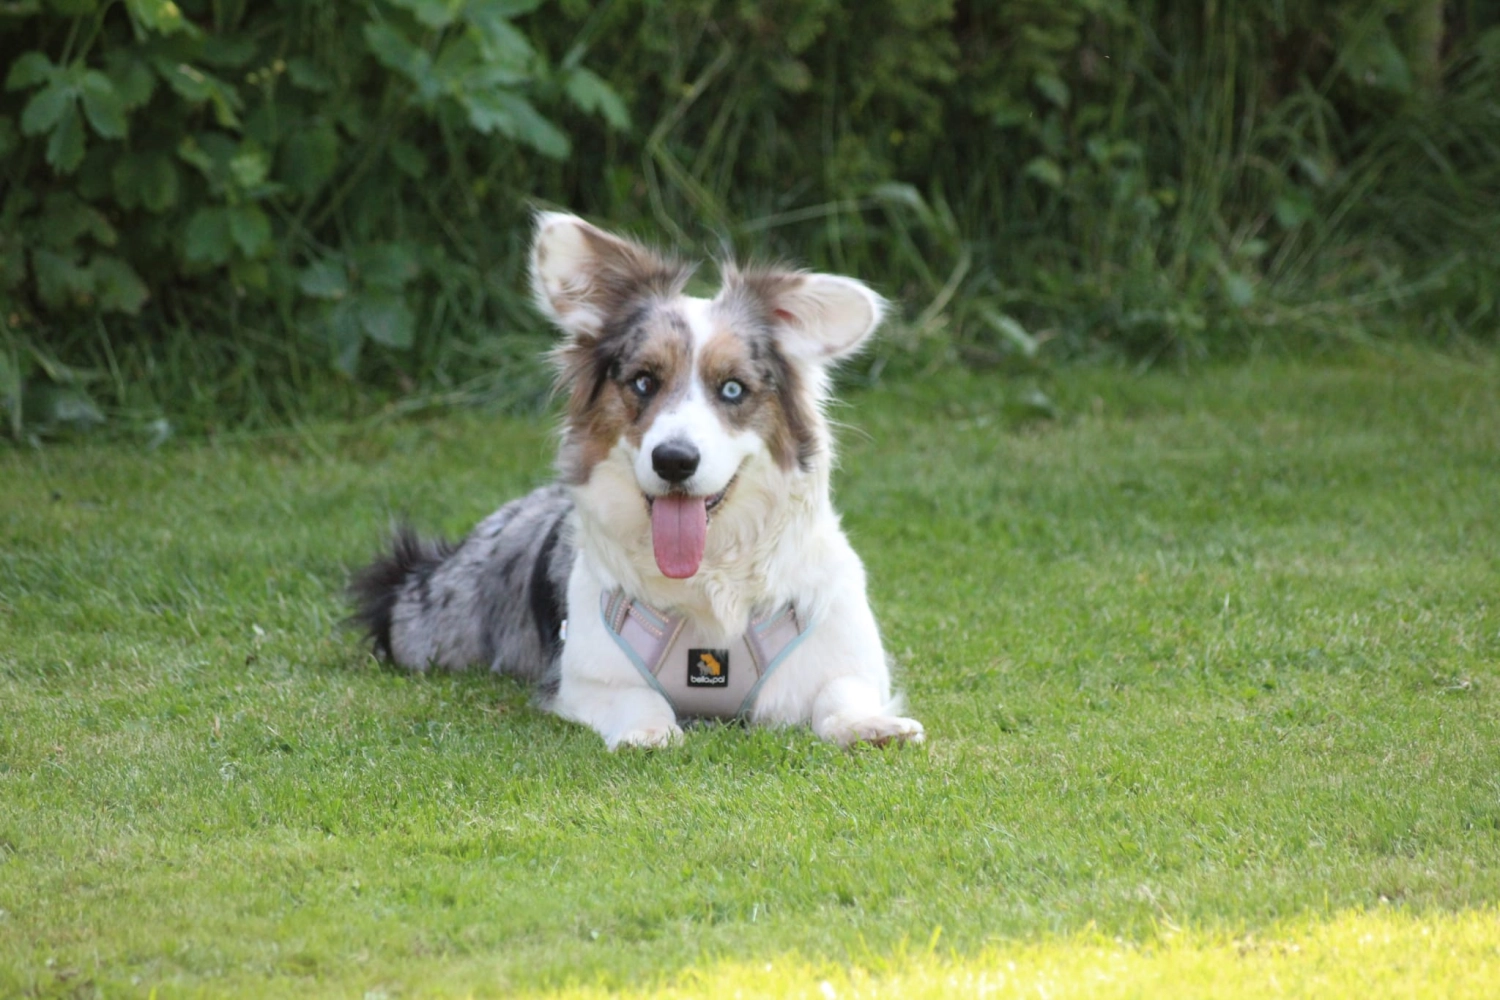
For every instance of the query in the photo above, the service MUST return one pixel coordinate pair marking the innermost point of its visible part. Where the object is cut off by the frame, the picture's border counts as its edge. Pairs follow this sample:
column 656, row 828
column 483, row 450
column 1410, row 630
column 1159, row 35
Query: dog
column 688, row 562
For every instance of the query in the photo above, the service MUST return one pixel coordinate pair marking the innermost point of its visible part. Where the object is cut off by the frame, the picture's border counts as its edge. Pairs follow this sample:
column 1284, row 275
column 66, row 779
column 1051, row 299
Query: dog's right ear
column 582, row 276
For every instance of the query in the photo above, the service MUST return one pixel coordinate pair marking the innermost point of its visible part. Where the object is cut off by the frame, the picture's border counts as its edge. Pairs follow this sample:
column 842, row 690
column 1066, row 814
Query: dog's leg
column 853, row 702
column 851, row 710
column 598, row 685
column 626, row 716
column 838, row 680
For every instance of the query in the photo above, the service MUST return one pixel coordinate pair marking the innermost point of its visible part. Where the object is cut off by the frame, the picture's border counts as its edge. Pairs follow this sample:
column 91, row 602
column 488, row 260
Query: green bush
column 1159, row 177
column 228, row 214
column 279, row 176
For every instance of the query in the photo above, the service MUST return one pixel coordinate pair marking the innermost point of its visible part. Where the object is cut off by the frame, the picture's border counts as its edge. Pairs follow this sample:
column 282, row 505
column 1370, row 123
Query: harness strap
column 648, row 636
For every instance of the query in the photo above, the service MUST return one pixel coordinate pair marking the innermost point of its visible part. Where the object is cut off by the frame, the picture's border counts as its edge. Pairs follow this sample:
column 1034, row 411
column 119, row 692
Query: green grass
column 1208, row 666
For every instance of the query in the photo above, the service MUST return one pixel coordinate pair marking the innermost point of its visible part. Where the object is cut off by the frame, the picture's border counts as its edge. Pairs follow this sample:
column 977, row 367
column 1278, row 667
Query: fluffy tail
column 376, row 590
column 495, row 600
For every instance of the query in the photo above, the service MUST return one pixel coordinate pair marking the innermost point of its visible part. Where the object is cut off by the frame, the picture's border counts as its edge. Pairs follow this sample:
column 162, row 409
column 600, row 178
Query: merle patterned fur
column 495, row 598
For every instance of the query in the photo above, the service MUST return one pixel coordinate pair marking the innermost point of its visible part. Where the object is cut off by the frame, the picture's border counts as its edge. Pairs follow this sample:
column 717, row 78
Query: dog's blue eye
column 731, row 391
column 643, row 384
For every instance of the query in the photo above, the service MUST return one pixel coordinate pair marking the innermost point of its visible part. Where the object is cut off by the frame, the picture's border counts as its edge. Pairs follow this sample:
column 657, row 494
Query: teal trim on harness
column 635, row 658
column 749, row 702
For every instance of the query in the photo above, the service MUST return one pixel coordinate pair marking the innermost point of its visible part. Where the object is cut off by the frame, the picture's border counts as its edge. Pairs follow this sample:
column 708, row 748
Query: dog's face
column 690, row 393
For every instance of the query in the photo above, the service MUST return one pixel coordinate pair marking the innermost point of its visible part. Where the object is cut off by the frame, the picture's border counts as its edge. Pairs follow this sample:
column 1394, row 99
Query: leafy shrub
column 286, row 168
column 1153, row 178
column 210, row 208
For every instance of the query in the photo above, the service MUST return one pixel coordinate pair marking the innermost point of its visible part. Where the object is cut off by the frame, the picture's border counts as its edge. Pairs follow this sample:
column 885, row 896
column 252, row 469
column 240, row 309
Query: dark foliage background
column 222, row 214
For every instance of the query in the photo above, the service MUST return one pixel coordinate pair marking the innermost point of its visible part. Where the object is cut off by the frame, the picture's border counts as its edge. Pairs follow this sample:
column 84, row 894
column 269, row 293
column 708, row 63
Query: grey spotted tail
column 497, row 599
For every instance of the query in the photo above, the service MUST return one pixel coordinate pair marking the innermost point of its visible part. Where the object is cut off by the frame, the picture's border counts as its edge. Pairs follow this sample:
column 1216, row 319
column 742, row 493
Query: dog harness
column 699, row 681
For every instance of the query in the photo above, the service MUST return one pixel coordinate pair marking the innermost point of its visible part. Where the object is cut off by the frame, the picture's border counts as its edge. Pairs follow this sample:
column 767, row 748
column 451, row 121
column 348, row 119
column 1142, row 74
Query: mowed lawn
column 1209, row 664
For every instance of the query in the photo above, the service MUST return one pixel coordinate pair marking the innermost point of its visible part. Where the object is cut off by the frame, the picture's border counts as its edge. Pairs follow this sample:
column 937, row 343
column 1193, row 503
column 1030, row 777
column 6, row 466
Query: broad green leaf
column 60, row 282
column 1045, row 170
column 504, row 47
column 309, row 158
column 308, row 75
column 1239, row 288
column 250, row 273
column 227, row 50
column 1053, row 88
column 64, row 219
column 791, row 75
column 432, row 13
column 117, row 287
column 132, row 77
column 103, row 106
column 196, row 86
column 1373, row 59
column 210, row 153
column 46, row 108
column 146, row 179
column 226, row 104
column 250, row 229
column 1252, row 249
column 464, row 65
column 386, row 319
column 324, row 279
column 352, row 119
column 513, row 116
column 206, row 239
column 1009, row 114
column 29, row 70
column 189, row 82
column 501, row 8
column 386, row 265
column 392, row 50
column 92, row 183
column 249, row 166
column 592, row 94
column 158, row 15
column 194, row 155
column 460, row 65
column 65, row 148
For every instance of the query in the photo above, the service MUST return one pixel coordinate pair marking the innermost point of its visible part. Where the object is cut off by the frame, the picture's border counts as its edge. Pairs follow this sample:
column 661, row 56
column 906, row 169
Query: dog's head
column 690, row 393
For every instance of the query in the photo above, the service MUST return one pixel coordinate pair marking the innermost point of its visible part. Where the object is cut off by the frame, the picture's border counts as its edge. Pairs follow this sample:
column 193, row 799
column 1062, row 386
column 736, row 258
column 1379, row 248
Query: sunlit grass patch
column 1356, row 954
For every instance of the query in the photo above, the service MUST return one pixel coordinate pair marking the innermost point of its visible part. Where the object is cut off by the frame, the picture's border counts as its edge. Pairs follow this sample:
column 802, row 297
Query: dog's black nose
column 674, row 461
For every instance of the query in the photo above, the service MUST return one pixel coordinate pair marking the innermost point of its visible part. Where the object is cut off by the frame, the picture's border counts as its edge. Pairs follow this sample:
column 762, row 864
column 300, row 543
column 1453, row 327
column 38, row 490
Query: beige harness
column 697, row 680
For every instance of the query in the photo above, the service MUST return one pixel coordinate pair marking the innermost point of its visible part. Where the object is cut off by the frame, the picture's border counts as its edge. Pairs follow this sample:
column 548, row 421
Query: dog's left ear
column 815, row 317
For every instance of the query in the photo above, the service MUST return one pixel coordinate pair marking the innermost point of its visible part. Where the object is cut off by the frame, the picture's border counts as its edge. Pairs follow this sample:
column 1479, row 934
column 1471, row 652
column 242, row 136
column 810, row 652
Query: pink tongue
column 679, row 527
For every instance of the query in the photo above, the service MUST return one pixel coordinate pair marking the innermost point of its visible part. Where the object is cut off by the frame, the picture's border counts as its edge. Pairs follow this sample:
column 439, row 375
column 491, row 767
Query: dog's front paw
column 877, row 730
column 649, row 738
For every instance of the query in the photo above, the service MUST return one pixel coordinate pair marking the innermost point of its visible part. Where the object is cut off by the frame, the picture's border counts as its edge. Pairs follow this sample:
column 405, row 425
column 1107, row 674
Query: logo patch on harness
column 708, row 668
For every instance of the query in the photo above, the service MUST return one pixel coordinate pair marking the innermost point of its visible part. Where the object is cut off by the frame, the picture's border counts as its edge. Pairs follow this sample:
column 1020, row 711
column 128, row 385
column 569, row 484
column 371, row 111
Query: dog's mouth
column 679, row 529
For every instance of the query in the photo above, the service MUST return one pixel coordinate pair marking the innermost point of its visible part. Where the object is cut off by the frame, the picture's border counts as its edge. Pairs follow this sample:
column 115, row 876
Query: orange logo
column 708, row 668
